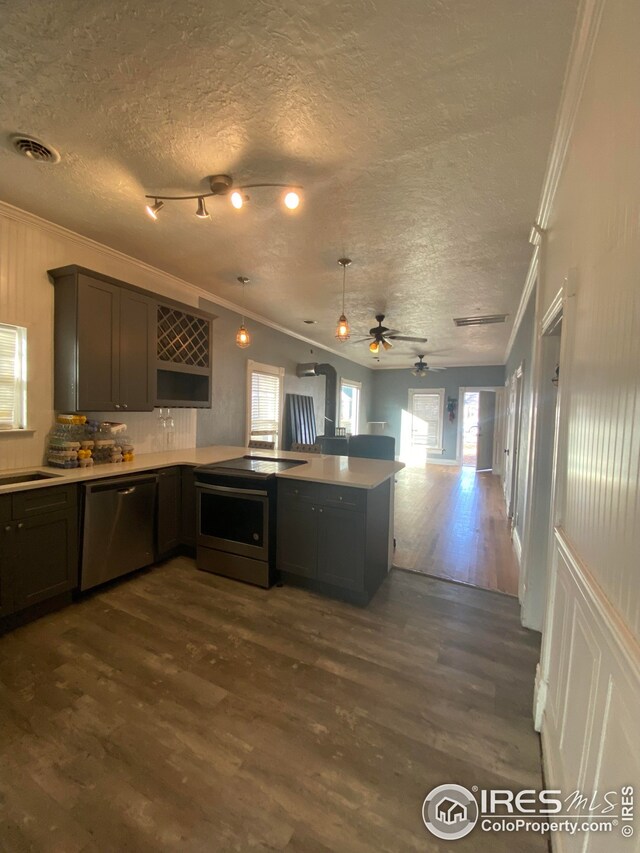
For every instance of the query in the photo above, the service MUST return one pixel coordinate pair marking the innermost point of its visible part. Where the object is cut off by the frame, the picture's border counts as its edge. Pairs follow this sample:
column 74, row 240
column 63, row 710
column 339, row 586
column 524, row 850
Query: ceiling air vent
column 480, row 321
column 34, row 149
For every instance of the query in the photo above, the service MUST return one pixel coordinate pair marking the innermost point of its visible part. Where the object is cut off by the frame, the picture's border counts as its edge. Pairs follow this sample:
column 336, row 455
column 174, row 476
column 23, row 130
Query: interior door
column 486, row 429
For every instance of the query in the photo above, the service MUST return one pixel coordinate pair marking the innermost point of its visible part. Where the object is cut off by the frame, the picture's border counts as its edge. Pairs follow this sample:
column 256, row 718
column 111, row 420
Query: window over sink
column 264, row 402
column 13, row 377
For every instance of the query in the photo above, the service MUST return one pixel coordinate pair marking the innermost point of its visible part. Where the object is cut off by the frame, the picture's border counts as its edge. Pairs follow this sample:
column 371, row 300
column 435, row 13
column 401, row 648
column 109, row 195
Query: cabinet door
column 46, row 556
column 98, row 364
column 168, row 510
column 297, row 539
column 341, row 547
column 188, row 508
column 137, row 339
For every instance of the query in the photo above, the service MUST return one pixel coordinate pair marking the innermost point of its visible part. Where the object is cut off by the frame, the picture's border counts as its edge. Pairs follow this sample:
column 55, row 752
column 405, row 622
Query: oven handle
column 236, row 491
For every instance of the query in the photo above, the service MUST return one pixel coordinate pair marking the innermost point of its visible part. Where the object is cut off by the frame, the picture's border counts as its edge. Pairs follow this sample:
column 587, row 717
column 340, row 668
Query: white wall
column 589, row 680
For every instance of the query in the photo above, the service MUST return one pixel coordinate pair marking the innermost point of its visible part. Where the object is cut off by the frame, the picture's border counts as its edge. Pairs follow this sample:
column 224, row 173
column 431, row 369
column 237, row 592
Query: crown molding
column 582, row 43
column 25, row 217
column 580, row 53
column 532, row 275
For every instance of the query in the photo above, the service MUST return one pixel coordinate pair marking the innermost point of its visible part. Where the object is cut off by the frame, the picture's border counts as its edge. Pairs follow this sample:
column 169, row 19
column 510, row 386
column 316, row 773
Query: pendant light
column 343, row 332
column 243, row 338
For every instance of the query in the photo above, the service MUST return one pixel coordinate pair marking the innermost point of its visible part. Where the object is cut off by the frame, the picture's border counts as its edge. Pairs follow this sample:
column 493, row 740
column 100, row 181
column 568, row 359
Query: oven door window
column 234, row 518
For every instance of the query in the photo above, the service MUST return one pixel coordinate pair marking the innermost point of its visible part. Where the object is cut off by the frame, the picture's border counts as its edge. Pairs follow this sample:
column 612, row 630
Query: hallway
column 451, row 523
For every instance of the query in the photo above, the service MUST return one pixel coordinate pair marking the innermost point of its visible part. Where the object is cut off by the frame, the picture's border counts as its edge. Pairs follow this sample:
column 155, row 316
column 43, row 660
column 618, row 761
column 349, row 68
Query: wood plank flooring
column 451, row 522
column 181, row 711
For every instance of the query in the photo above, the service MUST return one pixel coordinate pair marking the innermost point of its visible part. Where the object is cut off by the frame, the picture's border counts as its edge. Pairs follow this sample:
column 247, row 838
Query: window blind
column 427, row 418
column 265, row 404
column 10, row 377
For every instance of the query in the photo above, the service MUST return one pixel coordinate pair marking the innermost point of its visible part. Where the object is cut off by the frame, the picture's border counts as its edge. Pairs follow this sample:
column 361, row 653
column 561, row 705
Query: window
column 427, row 410
column 349, row 405
column 13, row 377
column 264, row 402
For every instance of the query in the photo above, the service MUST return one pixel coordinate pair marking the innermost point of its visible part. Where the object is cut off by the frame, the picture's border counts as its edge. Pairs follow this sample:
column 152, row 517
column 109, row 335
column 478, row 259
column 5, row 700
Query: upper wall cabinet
column 118, row 349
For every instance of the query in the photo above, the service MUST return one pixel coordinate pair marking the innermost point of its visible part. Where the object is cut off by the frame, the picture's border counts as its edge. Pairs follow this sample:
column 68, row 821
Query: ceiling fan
column 420, row 368
column 381, row 336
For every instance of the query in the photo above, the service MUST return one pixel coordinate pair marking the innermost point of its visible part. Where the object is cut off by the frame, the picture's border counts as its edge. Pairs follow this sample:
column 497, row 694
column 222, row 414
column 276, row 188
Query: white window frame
column 19, row 378
column 349, row 383
column 258, row 367
column 441, row 394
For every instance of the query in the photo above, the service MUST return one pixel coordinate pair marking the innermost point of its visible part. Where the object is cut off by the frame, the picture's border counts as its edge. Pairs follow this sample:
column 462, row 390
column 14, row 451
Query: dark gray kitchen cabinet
column 333, row 539
column 104, row 345
column 38, row 546
column 297, row 538
column 169, row 511
column 341, row 547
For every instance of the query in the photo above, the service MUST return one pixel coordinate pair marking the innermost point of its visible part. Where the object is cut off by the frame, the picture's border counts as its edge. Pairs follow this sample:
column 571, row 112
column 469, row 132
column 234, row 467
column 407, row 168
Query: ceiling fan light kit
column 343, row 332
column 222, row 185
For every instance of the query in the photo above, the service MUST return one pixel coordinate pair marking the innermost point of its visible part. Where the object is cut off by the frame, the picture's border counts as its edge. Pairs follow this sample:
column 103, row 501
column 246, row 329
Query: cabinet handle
column 7, row 527
column 340, row 498
column 320, row 510
column 124, row 405
column 117, row 405
column 20, row 525
column 313, row 509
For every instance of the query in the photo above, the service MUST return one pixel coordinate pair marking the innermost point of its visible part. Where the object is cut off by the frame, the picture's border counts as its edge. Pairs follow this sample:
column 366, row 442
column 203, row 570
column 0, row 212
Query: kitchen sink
column 30, row 477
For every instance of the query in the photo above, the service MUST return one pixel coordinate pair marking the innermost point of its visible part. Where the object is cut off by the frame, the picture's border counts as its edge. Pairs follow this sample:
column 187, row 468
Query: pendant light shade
column 243, row 338
column 374, row 346
column 343, row 332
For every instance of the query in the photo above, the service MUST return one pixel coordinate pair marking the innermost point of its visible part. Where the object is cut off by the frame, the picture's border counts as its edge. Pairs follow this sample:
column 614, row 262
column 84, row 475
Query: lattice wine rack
column 182, row 338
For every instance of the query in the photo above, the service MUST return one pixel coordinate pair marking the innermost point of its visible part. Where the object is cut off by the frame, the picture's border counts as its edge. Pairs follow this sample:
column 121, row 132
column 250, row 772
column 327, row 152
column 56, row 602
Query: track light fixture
column 243, row 338
column 343, row 332
column 222, row 185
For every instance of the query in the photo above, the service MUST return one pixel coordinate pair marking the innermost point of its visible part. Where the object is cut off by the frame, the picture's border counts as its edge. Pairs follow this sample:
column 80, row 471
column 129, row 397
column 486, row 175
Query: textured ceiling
column 419, row 129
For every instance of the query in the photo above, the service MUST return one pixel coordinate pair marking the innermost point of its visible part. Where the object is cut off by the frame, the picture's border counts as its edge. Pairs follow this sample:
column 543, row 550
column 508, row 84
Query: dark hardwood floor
column 181, row 711
column 451, row 522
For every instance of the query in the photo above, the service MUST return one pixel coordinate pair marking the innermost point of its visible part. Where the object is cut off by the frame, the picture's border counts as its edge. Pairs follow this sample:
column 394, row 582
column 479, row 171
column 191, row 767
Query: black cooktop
column 250, row 466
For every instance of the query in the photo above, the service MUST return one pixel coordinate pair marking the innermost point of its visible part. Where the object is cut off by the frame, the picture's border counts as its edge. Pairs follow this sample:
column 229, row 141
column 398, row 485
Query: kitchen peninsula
column 333, row 533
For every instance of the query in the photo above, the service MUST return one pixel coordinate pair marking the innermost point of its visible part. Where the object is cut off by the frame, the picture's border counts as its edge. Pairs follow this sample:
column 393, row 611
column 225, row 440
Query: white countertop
column 332, row 470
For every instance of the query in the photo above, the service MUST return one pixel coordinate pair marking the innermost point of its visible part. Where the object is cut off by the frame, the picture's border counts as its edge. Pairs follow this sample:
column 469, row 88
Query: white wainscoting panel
column 591, row 721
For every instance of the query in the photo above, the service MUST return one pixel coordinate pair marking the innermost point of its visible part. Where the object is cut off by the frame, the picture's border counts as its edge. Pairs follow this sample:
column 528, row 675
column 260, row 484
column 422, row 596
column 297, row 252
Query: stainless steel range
column 236, row 503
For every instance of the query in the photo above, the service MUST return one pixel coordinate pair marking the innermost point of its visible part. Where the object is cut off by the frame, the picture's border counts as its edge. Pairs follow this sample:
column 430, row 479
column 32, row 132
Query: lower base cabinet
column 333, row 539
column 38, row 546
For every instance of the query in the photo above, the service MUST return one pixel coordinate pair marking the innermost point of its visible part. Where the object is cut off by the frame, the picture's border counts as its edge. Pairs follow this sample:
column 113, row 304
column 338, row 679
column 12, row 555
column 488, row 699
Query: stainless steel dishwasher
column 118, row 528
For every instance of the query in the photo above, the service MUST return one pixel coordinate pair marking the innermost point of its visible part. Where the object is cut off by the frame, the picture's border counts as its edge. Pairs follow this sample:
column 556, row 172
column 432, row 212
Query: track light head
column 237, row 199
column 153, row 209
column 291, row 200
column 202, row 212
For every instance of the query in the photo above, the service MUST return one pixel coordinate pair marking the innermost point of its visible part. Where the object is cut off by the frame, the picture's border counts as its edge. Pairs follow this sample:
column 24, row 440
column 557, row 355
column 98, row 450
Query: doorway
column 478, row 427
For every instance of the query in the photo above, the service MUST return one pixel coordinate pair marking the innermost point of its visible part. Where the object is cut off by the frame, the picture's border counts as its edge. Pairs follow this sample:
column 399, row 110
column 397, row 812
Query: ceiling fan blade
column 406, row 338
column 437, row 368
column 362, row 340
